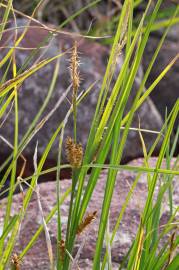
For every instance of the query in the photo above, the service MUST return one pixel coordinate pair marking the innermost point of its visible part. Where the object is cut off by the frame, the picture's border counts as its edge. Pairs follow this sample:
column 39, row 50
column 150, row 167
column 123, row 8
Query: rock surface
column 93, row 59
column 37, row 255
column 167, row 91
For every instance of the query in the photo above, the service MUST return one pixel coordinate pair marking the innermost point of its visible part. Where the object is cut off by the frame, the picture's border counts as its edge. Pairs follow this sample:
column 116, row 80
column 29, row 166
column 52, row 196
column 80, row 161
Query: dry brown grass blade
column 47, row 235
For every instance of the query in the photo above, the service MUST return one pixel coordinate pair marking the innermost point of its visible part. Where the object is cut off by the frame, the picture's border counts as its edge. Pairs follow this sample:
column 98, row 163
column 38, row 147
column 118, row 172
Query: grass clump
column 106, row 141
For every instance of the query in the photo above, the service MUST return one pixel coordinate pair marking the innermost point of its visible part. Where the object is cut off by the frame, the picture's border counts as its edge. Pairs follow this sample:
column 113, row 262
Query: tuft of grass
column 107, row 138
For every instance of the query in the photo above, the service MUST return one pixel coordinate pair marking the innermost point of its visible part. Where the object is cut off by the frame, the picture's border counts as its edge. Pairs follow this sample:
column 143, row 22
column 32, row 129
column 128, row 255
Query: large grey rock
column 93, row 57
column 37, row 255
column 167, row 91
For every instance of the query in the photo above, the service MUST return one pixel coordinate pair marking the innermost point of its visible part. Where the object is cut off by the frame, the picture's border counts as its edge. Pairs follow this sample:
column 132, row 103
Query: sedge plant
column 108, row 133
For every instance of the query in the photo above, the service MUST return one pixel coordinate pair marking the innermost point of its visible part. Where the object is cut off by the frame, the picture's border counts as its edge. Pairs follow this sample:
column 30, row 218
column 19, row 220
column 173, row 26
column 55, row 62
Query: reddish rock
column 37, row 255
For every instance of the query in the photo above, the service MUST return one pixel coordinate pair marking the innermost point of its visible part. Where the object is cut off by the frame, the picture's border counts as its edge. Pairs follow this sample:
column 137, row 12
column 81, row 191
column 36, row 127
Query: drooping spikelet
column 74, row 153
column 74, row 64
column 15, row 261
column 86, row 222
column 171, row 249
column 62, row 249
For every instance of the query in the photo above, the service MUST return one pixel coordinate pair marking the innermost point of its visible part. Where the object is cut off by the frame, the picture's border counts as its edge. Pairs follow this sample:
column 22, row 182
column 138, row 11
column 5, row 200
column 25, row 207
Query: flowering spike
column 74, row 153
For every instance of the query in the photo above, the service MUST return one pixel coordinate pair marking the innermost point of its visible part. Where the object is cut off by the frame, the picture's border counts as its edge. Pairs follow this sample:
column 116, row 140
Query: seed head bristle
column 74, row 153
column 74, row 64
column 86, row 222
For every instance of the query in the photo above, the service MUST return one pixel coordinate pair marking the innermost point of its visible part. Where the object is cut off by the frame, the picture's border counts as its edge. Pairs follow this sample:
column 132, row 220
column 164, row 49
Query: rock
column 93, row 57
column 166, row 92
column 37, row 255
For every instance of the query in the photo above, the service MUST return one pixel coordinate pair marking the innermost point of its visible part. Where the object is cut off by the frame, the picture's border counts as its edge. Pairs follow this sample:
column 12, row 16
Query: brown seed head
column 86, row 222
column 74, row 64
column 74, row 153
column 15, row 260
column 62, row 249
